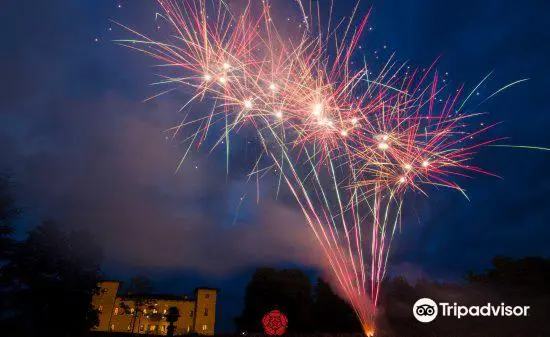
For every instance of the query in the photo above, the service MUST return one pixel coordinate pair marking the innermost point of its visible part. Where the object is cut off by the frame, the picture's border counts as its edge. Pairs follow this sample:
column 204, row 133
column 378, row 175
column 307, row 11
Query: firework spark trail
column 347, row 145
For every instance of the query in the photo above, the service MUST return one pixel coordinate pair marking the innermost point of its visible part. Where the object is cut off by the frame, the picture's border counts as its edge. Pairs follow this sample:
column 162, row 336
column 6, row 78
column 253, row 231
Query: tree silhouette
column 288, row 290
column 526, row 275
column 333, row 314
column 524, row 281
column 172, row 317
column 52, row 277
column 8, row 212
column 515, row 282
column 141, row 304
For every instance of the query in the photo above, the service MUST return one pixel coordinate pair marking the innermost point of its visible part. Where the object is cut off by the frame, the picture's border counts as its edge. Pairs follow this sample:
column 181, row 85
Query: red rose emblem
column 275, row 323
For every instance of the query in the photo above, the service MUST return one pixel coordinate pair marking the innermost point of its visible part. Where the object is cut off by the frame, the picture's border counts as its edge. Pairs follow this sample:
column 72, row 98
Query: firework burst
column 348, row 145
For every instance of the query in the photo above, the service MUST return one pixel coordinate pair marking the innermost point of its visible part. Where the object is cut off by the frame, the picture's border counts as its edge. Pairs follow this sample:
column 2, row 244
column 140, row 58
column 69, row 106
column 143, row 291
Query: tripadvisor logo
column 426, row 310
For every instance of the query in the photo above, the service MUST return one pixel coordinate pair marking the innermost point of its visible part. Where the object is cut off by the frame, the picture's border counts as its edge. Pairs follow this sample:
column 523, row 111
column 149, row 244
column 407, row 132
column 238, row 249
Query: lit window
column 100, row 308
column 205, row 311
column 154, row 311
column 112, row 327
column 116, row 311
column 132, row 310
column 188, row 328
column 142, row 327
column 164, row 312
column 144, row 311
column 129, row 328
column 204, row 327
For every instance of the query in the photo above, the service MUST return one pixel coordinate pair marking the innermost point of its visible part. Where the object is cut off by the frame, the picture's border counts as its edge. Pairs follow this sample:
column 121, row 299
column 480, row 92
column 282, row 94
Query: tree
column 523, row 281
column 52, row 278
column 332, row 314
column 526, row 275
column 139, row 305
column 172, row 317
column 288, row 290
column 8, row 212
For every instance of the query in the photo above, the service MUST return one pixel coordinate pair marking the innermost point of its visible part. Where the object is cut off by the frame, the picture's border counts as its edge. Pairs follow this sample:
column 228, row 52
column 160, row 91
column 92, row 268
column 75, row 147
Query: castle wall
column 197, row 315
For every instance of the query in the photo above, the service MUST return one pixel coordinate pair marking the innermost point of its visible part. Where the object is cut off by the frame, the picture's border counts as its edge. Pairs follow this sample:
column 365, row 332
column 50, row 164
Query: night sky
column 86, row 151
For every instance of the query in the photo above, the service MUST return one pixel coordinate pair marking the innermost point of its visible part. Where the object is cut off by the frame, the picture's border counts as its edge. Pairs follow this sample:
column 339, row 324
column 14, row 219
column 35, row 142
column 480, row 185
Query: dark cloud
column 87, row 152
column 90, row 164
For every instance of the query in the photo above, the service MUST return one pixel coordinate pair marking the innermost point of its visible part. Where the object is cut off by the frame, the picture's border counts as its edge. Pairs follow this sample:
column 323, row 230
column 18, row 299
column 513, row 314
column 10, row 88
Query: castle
column 146, row 314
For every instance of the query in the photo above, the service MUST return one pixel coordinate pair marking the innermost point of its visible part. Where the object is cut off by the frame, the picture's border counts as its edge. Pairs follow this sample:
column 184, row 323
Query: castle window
column 204, row 327
column 205, row 311
column 116, row 311
column 207, row 296
column 112, row 327
column 100, row 308
column 142, row 327
column 191, row 313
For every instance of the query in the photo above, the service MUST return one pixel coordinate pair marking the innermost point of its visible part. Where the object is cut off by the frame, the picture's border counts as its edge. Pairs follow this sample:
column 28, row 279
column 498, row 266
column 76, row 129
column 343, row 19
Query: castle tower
column 104, row 302
column 205, row 310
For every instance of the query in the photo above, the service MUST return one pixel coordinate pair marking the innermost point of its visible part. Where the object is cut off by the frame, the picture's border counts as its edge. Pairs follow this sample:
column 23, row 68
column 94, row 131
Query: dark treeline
column 314, row 308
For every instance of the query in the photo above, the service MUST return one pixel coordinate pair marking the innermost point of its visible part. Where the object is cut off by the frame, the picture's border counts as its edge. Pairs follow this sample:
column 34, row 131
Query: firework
column 348, row 145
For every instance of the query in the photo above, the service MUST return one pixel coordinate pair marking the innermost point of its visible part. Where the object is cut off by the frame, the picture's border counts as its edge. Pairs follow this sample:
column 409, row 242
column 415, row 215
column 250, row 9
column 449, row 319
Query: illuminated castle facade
column 146, row 314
